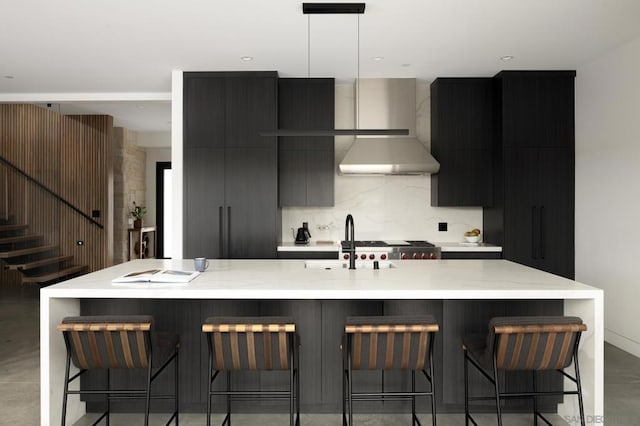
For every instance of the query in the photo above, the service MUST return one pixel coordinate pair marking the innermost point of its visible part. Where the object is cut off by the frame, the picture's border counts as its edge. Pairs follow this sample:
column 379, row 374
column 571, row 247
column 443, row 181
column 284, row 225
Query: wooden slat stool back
column 118, row 342
column 389, row 343
column 253, row 344
column 524, row 343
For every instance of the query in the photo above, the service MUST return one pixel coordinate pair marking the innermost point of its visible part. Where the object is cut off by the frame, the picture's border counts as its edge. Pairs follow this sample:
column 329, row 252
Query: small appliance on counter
column 303, row 235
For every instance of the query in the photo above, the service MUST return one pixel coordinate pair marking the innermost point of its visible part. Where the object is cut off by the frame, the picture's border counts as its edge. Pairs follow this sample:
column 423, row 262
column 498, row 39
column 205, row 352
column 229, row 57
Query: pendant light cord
column 358, row 72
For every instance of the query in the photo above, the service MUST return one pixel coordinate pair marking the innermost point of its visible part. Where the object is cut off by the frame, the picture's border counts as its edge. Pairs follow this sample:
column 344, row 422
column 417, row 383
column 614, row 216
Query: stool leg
column 579, row 385
column 148, row 395
column 535, row 399
column 291, row 379
column 349, row 383
column 432, row 384
column 344, row 390
column 297, row 383
column 466, row 389
column 413, row 397
column 66, row 389
column 108, row 396
column 228, row 398
column 497, row 391
column 209, row 389
column 177, row 379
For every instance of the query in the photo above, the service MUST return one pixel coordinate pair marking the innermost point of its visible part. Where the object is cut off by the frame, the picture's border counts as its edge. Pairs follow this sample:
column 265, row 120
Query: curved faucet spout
column 349, row 237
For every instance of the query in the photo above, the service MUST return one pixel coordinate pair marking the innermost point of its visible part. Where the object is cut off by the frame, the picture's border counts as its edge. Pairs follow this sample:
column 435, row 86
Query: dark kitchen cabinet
column 306, row 164
column 533, row 214
column 462, row 140
column 230, row 172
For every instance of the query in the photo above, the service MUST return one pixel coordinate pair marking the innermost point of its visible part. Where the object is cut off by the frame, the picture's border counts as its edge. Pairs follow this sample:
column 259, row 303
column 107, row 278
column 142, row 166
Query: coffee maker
column 303, row 234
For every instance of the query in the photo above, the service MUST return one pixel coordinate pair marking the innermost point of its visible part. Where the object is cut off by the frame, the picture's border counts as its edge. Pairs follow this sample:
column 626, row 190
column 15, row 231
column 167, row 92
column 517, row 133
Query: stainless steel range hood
column 387, row 104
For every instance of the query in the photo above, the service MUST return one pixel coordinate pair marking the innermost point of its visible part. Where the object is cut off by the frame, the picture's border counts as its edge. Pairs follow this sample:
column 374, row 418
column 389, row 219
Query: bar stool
column 254, row 344
column 118, row 342
column 389, row 343
column 524, row 343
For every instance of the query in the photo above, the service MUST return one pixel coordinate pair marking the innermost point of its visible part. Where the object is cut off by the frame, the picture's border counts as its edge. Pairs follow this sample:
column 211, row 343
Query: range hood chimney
column 387, row 104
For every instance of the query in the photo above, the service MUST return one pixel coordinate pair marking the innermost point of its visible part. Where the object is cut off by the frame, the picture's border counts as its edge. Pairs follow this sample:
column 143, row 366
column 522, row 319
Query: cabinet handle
column 228, row 232
column 533, row 233
column 542, row 232
column 220, row 231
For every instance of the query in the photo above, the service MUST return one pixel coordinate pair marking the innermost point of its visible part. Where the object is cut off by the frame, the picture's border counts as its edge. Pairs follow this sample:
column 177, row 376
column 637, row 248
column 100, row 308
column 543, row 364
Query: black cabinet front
column 230, row 172
column 462, row 141
column 533, row 215
column 306, row 164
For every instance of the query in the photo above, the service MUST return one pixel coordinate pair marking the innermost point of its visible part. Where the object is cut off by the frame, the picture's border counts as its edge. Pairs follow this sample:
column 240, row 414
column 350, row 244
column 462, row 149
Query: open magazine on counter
column 157, row 276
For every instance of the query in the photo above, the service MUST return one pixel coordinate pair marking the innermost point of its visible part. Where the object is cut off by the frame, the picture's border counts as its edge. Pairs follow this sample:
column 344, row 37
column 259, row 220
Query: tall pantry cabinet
column 533, row 213
column 230, row 171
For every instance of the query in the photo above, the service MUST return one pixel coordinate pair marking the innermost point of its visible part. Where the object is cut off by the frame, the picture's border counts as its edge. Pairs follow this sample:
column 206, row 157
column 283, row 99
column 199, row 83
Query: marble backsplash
column 383, row 207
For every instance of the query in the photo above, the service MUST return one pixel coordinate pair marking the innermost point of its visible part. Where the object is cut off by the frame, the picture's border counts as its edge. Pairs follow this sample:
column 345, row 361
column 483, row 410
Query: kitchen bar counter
column 290, row 280
column 469, row 247
column 444, row 246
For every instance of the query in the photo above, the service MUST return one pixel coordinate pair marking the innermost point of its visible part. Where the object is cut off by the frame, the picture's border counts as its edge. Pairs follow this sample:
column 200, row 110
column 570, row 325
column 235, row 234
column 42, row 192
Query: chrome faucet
column 349, row 237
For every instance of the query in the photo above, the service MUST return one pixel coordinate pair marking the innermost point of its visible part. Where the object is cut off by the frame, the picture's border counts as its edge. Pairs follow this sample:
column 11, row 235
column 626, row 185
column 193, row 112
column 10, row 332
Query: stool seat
column 252, row 344
column 118, row 342
column 388, row 343
column 531, row 343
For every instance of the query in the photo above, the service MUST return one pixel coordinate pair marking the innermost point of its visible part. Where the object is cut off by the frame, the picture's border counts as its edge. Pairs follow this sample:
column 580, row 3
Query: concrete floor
column 20, row 382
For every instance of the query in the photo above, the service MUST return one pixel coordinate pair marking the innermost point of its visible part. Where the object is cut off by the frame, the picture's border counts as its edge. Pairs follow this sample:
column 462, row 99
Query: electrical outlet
column 442, row 226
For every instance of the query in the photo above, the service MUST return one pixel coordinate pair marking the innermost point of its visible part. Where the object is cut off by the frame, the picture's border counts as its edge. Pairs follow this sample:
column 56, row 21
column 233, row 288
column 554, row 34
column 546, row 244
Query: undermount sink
column 344, row 264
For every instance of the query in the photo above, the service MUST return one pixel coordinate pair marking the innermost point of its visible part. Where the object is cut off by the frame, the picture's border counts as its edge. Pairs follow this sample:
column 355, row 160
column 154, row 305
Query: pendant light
column 332, row 9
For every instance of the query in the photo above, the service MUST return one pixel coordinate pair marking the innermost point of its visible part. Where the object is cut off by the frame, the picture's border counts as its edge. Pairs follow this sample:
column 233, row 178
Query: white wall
column 607, row 188
column 383, row 207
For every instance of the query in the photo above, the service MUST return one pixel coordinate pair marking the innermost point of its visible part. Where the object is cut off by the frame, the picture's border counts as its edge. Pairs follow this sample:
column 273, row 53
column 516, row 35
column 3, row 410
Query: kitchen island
column 287, row 287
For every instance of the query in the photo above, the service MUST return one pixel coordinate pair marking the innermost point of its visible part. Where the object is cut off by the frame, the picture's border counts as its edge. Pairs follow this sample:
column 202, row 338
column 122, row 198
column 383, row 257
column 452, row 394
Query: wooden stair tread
column 20, row 239
column 23, row 252
column 39, row 263
column 54, row 275
column 4, row 228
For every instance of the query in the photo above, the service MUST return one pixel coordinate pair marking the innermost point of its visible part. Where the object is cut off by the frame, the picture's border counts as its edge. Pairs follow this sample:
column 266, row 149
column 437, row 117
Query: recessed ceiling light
column 246, row 58
column 506, row 57
column 9, row 77
column 377, row 58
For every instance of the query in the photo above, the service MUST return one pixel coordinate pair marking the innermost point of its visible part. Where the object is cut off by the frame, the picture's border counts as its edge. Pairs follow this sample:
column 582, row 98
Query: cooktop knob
column 372, row 256
column 346, row 256
column 383, row 256
column 363, row 256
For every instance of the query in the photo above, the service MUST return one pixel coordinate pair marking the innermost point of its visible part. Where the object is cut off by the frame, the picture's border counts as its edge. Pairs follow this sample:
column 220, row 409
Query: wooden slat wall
column 71, row 155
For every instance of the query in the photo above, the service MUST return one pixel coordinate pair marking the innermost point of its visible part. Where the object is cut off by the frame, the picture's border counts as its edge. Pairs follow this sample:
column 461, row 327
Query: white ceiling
column 116, row 56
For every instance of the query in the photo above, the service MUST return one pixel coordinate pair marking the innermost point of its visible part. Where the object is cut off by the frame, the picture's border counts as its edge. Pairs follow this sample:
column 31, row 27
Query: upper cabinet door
column 306, row 164
column 462, row 140
column 537, row 108
column 251, row 107
column 204, row 112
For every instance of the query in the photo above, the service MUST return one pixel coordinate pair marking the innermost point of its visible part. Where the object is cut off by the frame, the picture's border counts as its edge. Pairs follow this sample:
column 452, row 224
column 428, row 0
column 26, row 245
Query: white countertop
column 467, row 247
column 289, row 279
column 311, row 246
column 450, row 246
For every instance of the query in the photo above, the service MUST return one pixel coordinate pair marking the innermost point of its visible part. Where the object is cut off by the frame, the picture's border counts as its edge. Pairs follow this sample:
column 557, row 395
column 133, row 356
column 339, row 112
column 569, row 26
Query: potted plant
column 138, row 213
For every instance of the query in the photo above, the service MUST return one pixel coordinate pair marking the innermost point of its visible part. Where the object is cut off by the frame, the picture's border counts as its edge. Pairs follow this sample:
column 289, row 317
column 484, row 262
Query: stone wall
column 128, row 186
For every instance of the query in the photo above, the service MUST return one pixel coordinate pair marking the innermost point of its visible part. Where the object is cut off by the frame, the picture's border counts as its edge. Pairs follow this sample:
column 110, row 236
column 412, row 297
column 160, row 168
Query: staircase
column 37, row 262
